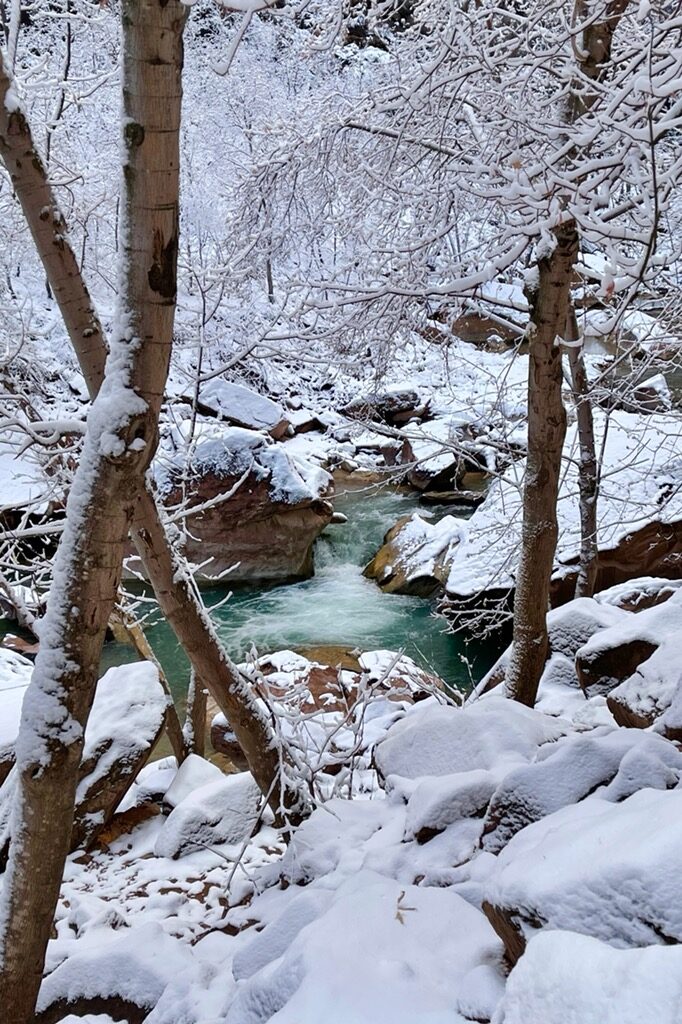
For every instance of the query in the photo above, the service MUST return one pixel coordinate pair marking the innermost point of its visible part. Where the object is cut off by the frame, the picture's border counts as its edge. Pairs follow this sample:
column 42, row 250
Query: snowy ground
column 555, row 824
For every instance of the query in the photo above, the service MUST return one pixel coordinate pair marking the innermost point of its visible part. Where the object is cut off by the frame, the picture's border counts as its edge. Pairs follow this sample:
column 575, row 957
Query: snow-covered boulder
column 253, row 509
column 566, row 977
column 15, row 675
column 609, row 870
column 393, row 406
column 613, row 763
column 122, row 973
column 370, row 957
column 636, row 663
column 493, row 733
column 416, row 555
column 125, row 722
column 438, row 801
column 640, row 516
column 243, row 407
column 330, row 711
column 193, row 773
column 568, row 627
column 223, row 812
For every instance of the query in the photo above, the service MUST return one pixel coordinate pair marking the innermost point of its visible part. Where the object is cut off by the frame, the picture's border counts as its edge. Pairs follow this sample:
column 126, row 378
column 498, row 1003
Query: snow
column 604, row 763
column 135, row 965
column 651, row 688
column 241, row 405
column 231, row 452
column 222, row 812
column 370, row 957
column 15, row 675
column 602, row 869
column 564, row 978
column 639, row 485
column 438, row 740
column 437, row 802
column 193, row 773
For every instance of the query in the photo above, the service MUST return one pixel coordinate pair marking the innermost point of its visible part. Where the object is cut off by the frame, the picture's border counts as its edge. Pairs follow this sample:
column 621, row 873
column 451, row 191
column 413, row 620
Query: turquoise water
column 338, row 606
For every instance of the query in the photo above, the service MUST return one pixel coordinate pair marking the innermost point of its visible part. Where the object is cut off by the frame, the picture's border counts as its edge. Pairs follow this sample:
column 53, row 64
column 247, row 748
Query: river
column 338, row 606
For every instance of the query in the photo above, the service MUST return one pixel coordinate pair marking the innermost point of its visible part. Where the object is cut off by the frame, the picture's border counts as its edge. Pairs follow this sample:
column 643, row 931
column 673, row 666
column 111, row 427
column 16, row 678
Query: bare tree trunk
column 173, row 587
column 120, row 441
column 548, row 302
column 588, row 472
column 195, row 720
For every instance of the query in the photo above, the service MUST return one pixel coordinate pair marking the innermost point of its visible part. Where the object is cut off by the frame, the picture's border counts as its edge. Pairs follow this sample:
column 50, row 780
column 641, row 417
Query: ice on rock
column 220, row 812
column 489, row 734
column 564, row 977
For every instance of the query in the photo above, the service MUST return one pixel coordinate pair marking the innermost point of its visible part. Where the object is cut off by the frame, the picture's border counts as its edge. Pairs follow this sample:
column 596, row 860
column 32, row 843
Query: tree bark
column 549, row 302
column 588, row 471
column 120, row 442
column 195, row 721
column 173, row 587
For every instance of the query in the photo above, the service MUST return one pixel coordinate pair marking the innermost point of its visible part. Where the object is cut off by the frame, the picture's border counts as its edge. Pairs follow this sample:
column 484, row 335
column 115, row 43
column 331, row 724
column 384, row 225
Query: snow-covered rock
column 244, row 407
column 614, row 763
column 439, row 740
column 219, row 813
column 437, row 802
column 636, row 663
column 640, row 518
column 193, row 773
column 253, row 508
column 15, row 675
column 566, row 977
column 124, row 972
column 609, row 870
column 370, row 957
column 126, row 720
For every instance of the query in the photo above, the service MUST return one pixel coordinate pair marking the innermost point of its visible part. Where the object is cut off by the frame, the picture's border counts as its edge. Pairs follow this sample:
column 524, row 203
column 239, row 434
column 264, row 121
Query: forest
column 340, row 511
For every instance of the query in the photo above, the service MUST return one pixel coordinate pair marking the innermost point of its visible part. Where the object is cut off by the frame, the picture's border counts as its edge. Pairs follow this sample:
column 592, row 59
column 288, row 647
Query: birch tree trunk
column 120, row 441
column 549, row 304
column 173, row 587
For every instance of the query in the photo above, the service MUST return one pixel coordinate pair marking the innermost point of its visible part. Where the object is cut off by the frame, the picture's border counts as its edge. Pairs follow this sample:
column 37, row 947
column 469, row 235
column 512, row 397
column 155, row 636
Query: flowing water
column 337, row 606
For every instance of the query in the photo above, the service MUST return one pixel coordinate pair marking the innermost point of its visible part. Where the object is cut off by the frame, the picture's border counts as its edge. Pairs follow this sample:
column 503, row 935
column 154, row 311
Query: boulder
column 393, row 406
column 126, row 721
column 575, row 767
column 252, row 509
column 635, row 662
column 441, row 455
column 640, row 519
column 15, row 675
column 566, row 977
column 439, row 740
column 243, row 407
column 608, row 870
column 222, row 812
column 416, row 555
column 438, row 801
column 390, row 682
